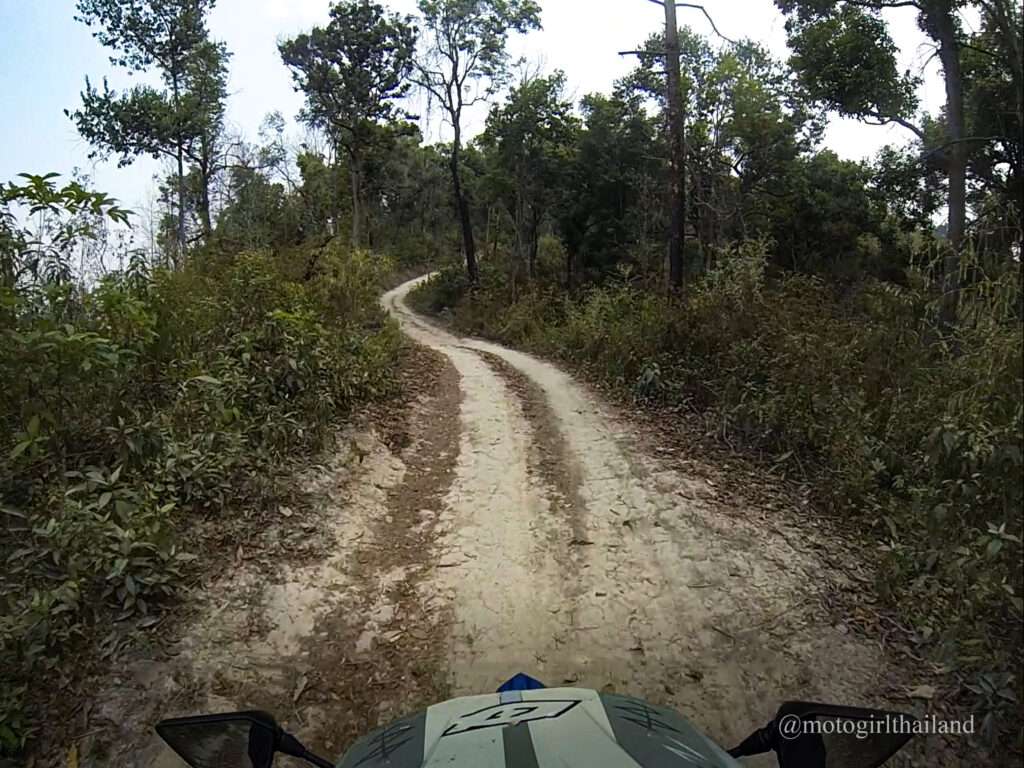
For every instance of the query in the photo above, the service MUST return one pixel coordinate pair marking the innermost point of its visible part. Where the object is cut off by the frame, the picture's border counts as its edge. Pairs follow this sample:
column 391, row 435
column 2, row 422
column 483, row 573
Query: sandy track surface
column 570, row 553
column 511, row 522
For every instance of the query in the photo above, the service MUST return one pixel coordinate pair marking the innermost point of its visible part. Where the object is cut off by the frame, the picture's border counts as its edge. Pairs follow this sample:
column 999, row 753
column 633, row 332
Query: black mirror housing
column 233, row 740
column 813, row 735
column 230, row 740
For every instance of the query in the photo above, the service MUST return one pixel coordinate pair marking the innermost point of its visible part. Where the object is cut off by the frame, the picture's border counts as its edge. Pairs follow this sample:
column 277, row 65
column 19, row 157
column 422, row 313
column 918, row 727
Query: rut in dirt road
column 566, row 552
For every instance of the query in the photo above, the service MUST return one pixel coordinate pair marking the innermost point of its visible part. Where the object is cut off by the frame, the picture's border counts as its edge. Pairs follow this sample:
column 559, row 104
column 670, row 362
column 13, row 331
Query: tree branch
column 883, row 4
column 968, row 140
column 433, row 85
column 707, row 15
column 980, row 50
column 475, row 100
column 653, row 54
column 886, row 119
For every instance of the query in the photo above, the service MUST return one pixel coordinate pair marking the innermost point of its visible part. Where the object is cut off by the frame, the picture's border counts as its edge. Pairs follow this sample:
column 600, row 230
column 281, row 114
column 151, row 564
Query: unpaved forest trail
column 568, row 552
column 517, row 523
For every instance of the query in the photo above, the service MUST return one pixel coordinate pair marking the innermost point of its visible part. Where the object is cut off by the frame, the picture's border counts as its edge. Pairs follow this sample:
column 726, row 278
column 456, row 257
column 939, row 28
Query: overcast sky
column 45, row 56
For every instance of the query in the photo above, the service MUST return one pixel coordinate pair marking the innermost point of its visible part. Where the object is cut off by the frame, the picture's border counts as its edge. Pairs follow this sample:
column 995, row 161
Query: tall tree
column 994, row 101
column 846, row 58
column 677, row 148
column 746, row 125
column 600, row 201
column 351, row 72
column 530, row 139
column 170, row 35
column 205, row 96
column 676, row 119
column 466, row 45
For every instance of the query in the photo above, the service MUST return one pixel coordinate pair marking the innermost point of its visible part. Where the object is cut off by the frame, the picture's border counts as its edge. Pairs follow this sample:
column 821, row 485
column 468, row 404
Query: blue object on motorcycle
column 521, row 682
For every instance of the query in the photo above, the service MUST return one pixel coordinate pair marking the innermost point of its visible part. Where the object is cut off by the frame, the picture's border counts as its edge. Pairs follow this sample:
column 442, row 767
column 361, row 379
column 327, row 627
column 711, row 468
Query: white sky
column 581, row 37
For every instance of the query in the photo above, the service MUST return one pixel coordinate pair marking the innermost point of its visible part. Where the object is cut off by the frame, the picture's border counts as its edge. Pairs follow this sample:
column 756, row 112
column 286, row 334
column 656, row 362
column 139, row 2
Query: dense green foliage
column 531, row 142
column 135, row 403
column 845, row 58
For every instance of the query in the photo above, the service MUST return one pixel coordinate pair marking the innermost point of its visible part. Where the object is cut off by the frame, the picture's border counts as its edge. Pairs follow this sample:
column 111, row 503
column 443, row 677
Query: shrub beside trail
column 148, row 399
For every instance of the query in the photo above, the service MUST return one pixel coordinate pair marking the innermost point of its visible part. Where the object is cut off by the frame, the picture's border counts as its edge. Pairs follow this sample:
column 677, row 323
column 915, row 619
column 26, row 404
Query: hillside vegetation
column 147, row 400
column 811, row 311
column 913, row 440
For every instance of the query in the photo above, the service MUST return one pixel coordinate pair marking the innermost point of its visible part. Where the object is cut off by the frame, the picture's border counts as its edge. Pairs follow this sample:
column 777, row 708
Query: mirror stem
column 757, row 743
column 289, row 745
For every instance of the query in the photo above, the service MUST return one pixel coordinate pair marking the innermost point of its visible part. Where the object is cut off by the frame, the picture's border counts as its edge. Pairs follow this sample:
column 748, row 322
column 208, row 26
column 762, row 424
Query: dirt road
column 518, row 525
column 575, row 556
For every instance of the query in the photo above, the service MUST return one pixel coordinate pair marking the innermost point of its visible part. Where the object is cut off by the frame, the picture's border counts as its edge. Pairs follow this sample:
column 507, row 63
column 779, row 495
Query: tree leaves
column 354, row 69
column 846, row 58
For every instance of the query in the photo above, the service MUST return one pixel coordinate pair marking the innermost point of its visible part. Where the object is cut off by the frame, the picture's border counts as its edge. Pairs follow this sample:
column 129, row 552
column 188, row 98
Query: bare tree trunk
column 180, row 156
column 949, row 53
column 465, row 220
column 523, row 220
column 205, row 214
column 495, row 234
column 353, row 175
column 207, row 162
column 700, row 200
column 181, row 205
column 533, row 240
column 338, row 201
column 677, row 130
column 488, row 228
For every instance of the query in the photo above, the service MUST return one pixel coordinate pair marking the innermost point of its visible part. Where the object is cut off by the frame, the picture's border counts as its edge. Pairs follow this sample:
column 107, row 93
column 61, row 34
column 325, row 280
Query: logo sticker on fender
column 510, row 714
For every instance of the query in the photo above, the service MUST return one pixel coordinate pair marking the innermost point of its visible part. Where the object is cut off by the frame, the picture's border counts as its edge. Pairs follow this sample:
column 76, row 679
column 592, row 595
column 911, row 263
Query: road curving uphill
column 567, row 550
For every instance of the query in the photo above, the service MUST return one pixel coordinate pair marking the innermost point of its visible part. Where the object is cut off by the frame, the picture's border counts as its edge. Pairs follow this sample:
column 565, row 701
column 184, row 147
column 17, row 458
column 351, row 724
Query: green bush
column 149, row 397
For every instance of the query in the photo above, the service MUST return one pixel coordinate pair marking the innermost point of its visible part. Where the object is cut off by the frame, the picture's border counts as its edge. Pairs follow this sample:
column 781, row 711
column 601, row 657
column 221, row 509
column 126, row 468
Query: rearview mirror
column 828, row 736
column 236, row 740
column 233, row 740
column 810, row 735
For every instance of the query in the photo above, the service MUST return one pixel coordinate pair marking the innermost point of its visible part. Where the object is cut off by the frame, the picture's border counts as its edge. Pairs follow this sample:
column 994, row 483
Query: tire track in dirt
column 495, row 564
column 381, row 659
column 668, row 595
column 551, row 461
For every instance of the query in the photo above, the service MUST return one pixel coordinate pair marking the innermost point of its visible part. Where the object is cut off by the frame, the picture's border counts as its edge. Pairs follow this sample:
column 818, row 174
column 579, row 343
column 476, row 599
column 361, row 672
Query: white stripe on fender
column 582, row 736
column 483, row 748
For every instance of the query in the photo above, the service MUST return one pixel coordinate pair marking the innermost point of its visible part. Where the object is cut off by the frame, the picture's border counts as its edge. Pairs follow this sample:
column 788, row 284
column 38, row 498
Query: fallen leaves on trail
column 300, row 688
